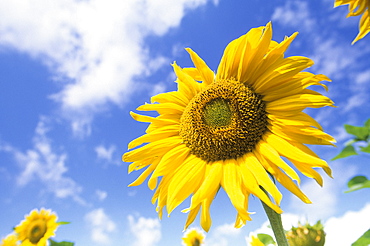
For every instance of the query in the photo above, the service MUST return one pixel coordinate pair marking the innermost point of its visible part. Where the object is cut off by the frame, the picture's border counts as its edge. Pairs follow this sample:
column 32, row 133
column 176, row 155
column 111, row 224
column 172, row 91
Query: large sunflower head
column 355, row 8
column 230, row 129
column 37, row 227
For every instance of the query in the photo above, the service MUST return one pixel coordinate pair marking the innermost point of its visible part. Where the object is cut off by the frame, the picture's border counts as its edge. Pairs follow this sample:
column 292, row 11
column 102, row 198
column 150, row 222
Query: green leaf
column 364, row 240
column 357, row 183
column 63, row 223
column 265, row 239
column 365, row 149
column 367, row 123
column 64, row 243
column 347, row 151
column 361, row 132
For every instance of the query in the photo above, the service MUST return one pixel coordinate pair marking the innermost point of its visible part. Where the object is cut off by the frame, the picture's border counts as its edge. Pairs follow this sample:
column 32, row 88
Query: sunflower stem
column 276, row 225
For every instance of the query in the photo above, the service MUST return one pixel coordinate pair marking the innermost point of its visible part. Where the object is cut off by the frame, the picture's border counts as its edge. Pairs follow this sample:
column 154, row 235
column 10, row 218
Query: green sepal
column 357, row 183
column 266, row 239
column 346, row 151
column 361, row 132
column 364, row 240
column 63, row 243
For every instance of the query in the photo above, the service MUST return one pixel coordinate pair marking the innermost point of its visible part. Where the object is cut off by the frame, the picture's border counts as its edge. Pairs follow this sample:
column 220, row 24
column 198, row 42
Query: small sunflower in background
column 10, row 240
column 356, row 8
column 193, row 237
column 230, row 130
column 37, row 228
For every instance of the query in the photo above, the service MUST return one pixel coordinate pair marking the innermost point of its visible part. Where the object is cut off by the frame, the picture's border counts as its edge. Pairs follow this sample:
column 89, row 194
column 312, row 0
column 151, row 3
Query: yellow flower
column 10, row 240
column 193, row 237
column 231, row 129
column 355, row 8
column 256, row 242
column 37, row 227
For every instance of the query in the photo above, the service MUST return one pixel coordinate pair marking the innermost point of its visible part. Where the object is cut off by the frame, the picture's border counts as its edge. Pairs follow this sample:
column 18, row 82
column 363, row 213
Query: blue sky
column 72, row 70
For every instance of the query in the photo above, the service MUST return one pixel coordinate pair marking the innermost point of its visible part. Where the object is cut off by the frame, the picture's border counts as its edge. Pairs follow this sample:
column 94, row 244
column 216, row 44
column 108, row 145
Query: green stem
column 277, row 226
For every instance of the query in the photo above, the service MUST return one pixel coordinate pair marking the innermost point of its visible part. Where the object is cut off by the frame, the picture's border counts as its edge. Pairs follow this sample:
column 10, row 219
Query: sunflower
column 37, row 227
column 10, row 240
column 355, row 8
column 231, row 129
column 193, row 237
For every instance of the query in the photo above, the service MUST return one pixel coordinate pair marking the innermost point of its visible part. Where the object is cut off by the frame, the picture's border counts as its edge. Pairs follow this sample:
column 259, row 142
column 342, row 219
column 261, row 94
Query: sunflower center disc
column 37, row 230
column 225, row 121
column 217, row 113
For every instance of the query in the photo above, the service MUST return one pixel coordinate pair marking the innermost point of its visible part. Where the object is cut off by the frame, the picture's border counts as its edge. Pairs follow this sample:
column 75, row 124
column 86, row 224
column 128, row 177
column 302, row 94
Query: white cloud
column 105, row 153
column 101, row 194
column 42, row 163
column 363, row 77
column 147, row 231
column 101, row 225
column 220, row 235
column 346, row 229
column 95, row 48
column 158, row 88
column 294, row 13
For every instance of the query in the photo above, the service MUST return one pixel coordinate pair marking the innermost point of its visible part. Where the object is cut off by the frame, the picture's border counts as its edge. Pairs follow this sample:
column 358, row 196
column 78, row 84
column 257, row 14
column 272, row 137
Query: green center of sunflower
column 37, row 230
column 217, row 113
column 225, row 121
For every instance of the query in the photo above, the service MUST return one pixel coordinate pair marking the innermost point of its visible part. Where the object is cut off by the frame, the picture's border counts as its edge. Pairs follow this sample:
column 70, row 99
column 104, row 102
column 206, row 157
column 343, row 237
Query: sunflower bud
column 306, row 235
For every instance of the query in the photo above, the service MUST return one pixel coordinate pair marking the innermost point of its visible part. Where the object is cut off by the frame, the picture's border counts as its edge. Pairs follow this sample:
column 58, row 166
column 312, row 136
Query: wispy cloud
column 106, row 153
column 295, row 13
column 45, row 164
column 147, row 231
column 101, row 226
column 346, row 229
column 101, row 195
column 221, row 234
column 96, row 49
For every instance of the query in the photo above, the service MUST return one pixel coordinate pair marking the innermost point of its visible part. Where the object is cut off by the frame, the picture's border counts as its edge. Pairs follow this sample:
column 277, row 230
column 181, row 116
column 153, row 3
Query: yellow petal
column 232, row 184
column 162, row 133
column 186, row 84
column 252, row 163
column 299, row 120
column 292, row 152
column 186, row 180
column 281, row 71
column 251, row 185
column 257, row 46
column 153, row 149
column 210, row 183
column 269, row 152
column 281, row 177
column 172, row 97
column 171, row 160
column 163, row 108
column 205, row 72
